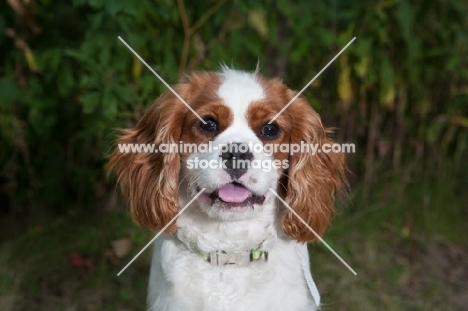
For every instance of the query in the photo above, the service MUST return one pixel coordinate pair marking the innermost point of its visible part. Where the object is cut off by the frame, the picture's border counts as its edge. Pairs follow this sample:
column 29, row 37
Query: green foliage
column 399, row 92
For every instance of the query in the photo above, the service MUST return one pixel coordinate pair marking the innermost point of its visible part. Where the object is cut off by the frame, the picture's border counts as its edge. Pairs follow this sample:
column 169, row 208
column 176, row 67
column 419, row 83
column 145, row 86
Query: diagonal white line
column 160, row 232
column 313, row 231
column 313, row 79
column 162, row 80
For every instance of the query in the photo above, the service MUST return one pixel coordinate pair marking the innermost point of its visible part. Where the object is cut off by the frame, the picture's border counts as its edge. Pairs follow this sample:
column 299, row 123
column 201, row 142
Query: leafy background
column 399, row 92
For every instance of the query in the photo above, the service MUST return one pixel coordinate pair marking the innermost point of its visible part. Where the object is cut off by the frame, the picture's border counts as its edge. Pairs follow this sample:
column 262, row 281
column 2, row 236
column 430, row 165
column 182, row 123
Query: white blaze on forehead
column 238, row 90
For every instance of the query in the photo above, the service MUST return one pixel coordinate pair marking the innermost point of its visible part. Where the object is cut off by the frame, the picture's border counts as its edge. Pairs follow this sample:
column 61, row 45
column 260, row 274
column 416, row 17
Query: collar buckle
column 221, row 258
column 242, row 258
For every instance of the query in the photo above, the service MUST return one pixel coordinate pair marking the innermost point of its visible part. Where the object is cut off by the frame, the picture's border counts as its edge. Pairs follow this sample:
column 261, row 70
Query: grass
column 44, row 277
column 406, row 241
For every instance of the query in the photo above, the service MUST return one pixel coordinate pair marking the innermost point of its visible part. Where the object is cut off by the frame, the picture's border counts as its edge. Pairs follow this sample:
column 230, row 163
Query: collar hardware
column 222, row 258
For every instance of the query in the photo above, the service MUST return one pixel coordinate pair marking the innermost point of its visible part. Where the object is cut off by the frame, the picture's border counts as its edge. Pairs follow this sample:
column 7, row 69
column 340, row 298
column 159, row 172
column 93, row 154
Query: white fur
column 181, row 280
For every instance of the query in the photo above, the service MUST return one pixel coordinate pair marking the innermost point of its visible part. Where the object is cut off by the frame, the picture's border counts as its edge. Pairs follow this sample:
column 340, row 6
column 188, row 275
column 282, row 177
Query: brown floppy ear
column 150, row 180
column 313, row 180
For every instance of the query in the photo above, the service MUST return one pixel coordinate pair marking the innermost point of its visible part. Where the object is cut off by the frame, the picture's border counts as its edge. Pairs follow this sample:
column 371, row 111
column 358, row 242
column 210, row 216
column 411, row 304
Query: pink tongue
column 233, row 194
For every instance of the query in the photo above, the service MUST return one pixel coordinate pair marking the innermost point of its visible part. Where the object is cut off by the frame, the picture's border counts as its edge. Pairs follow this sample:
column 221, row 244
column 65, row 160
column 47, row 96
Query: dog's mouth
column 233, row 195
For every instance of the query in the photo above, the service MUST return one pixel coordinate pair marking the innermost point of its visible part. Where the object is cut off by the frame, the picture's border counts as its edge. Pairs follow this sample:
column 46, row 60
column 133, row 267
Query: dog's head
column 226, row 154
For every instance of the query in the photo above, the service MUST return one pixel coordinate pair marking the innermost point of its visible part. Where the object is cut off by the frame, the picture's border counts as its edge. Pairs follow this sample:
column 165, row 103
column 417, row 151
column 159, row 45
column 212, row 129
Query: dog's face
column 236, row 115
column 234, row 170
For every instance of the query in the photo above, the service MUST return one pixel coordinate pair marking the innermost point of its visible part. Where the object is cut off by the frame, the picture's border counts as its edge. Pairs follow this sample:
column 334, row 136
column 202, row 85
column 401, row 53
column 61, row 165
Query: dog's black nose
column 237, row 159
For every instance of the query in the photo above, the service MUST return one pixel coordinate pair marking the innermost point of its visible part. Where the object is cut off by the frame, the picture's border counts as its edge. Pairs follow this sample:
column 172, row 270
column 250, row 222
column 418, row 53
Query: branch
column 189, row 31
column 207, row 14
column 187, row 34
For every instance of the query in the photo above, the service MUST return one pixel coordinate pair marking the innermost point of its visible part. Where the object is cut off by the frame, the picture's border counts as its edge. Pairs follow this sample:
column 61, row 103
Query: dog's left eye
column 210, row 126
column 270, row 131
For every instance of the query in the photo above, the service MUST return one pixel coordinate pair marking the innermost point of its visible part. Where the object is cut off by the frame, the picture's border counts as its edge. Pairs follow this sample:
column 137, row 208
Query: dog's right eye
column 270, row 131
column 210, row 126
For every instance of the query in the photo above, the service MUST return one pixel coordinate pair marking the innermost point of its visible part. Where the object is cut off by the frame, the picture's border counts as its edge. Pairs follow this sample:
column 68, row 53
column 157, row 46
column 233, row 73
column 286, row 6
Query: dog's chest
column 277, row 284
column 226, row 286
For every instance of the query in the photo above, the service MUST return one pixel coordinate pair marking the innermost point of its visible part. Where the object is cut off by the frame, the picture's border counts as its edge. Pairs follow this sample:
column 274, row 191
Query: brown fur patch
column 311, row 182
column 150, row 180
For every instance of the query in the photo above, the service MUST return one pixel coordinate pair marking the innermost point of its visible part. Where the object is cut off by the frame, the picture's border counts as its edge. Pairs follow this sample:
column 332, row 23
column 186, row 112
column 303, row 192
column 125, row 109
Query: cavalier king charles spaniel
column 237, row 246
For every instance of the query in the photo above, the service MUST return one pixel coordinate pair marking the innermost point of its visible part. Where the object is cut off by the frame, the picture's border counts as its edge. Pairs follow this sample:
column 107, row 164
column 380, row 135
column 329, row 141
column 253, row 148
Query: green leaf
column 114, row 7
column 9, row 92
column 96, row 4
column 109, row 103
column 405, row 16
column 2, row 28
column 90, row 102
column 66, row 81
column 257, row 20
column 79, row 2
column 387, row 83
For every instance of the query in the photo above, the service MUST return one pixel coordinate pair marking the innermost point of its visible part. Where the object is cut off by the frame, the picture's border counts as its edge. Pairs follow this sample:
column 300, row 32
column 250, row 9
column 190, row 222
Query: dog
column 240, row 243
